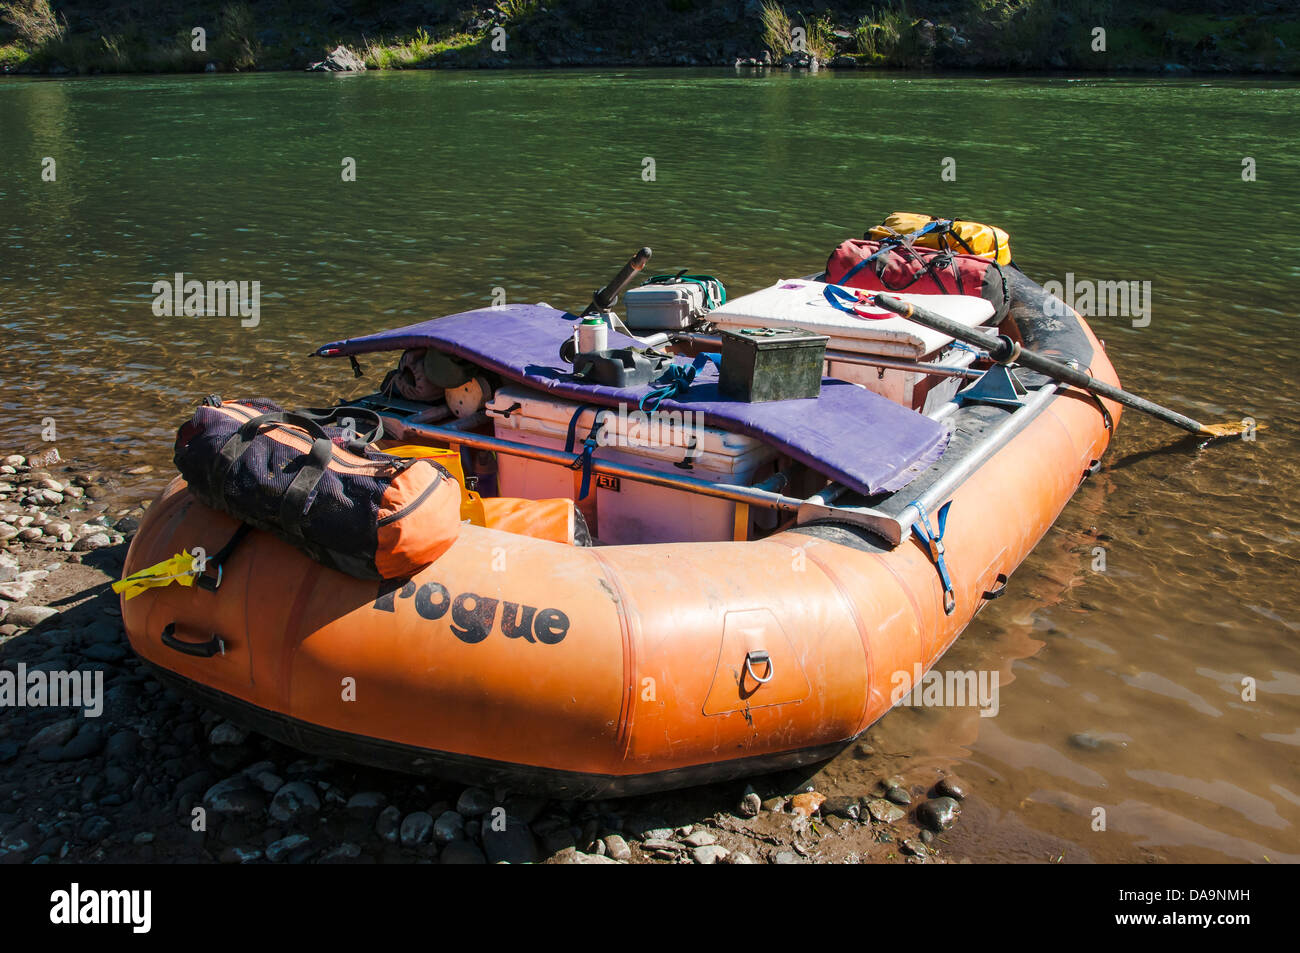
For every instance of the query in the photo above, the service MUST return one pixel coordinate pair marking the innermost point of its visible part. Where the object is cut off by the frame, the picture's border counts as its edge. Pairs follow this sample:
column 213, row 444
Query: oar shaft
column 1005, row 351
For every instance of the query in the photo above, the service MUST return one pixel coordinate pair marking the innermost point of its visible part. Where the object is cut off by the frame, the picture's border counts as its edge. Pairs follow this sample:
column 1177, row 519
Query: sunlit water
column 537, row 184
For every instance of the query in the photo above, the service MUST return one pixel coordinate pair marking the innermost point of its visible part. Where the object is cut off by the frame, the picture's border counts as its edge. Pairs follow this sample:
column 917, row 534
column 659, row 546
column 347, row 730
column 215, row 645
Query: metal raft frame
column 892, row 524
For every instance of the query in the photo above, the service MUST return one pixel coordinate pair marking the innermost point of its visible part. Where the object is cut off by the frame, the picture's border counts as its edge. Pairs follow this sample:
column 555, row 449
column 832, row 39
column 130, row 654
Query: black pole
column 1006, row 351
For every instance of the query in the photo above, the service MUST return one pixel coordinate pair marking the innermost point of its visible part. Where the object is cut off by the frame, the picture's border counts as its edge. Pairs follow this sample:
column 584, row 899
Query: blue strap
column 677, row 379
column 588, row 445
column 837, row 297
column 933, row 542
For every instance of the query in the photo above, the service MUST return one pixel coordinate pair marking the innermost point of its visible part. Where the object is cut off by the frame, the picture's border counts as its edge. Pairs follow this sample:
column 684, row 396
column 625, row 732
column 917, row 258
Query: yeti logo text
column 75, row 906
column 194, row 298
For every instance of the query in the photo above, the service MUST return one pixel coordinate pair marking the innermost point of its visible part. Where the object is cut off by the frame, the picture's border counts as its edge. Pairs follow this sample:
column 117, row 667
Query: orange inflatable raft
column 585, row 671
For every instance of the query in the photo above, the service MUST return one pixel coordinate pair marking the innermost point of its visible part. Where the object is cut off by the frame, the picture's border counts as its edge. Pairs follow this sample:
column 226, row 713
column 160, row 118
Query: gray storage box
column 663, row 307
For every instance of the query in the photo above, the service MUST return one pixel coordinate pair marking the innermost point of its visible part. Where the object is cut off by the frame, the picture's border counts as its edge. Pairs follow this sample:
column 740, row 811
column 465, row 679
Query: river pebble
column 474, row 802
column 951, row 787
column 416, row 829
column 616, row 847
column 885, row 812
column 294, row 802
column 938, row 814
column 709, row 854
column 448, row 827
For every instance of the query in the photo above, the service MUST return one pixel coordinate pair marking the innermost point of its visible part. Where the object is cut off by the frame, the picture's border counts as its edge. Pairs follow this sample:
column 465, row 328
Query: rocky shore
column 1211, row 36
column 151, row 777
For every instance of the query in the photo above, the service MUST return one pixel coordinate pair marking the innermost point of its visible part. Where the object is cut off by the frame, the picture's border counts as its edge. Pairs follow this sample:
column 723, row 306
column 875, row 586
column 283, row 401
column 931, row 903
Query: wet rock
column 898, row 796
column 951, row 787
column 914, row 846
column 342, row 854
column 750, row 805
column 54, row 735
column 512, row 844
column 122, row 746
column 105, row 652
column 939, row 813
column 265, row 778
column 462, row 852
column 474, row 802
column 365, row 806
column 8, row 751
column 616, row 847
column 144, row 837
column 388, row 824
column 86, row 744
column 1098, row 741
column 709, row 854
column 235, row 797
column 294, row 802
column 416, row 829
column 849, row 808
column 884, row 812
column 240, row 855
column 228, row 734
column 449, row 826
column 95, row 829
column 295, row 849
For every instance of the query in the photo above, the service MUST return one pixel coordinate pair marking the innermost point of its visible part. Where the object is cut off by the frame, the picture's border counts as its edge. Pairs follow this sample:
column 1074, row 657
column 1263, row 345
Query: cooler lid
column 801, row 303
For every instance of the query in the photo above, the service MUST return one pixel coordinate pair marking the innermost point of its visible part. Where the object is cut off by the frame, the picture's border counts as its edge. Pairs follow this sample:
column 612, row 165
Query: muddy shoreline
column 128, row 784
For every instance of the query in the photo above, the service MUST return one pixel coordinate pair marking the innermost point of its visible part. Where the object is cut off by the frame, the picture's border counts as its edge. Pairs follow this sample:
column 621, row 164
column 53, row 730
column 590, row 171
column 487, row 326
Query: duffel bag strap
column 237, row 445
column 302, row 491
column 363, row 438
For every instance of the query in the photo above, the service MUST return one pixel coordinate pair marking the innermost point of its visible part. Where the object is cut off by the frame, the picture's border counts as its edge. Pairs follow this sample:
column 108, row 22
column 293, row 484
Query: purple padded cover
column 849, row 434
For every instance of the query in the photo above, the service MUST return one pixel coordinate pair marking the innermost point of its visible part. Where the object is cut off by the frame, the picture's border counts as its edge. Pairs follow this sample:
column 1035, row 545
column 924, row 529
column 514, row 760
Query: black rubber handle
column 604, row 299
column 998, row 591
column 200, row 649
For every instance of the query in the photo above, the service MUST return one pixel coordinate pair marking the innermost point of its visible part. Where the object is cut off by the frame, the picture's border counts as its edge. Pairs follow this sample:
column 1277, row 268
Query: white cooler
column 801, row 303
column 629, row 511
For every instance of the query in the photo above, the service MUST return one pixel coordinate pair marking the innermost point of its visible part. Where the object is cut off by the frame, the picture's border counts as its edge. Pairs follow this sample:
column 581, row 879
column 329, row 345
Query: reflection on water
column 533, row 183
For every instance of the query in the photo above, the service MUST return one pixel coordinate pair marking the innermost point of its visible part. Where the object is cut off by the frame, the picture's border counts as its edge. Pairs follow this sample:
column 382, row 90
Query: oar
column 1006, row 351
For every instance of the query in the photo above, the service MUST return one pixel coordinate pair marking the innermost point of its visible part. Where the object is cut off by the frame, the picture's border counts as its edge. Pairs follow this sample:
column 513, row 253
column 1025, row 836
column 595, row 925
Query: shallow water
column 533, row 183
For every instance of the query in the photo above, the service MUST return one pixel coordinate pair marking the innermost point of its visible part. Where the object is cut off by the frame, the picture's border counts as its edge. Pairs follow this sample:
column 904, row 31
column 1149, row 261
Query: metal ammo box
column 761, row 364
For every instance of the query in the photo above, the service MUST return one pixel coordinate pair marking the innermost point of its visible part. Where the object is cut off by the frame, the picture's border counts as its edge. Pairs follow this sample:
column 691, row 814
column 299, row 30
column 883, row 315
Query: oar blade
column 1232, row 428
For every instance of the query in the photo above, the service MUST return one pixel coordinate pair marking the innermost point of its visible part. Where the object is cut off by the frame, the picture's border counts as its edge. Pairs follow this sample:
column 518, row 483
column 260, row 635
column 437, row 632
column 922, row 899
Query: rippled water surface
column 533, row 183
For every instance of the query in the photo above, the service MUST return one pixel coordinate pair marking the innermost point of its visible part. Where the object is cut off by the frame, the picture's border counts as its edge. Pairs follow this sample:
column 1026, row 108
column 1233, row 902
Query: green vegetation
column 34, row 21
column 92, row 36
column 776, row 29
column 879, row 34
column 417, row 51
column 819, row 37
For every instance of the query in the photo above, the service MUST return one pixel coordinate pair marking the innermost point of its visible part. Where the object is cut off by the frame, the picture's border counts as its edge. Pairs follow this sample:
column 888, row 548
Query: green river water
column 535, row 183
